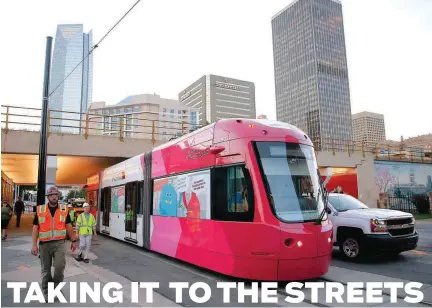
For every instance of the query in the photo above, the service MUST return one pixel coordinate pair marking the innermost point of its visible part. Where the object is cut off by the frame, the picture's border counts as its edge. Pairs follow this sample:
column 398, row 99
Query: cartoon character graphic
column 168, row 201
column 189, row 202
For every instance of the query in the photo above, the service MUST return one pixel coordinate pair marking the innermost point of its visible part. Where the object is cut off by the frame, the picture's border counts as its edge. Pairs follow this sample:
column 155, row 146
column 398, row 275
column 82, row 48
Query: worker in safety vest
column 50, row 225
column 86, row 226
column 129, row 217
column 72, row 214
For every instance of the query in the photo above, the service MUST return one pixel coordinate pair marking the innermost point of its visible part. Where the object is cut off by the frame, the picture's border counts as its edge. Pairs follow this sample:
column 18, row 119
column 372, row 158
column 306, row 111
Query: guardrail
column 140, row 124
column 148, row 125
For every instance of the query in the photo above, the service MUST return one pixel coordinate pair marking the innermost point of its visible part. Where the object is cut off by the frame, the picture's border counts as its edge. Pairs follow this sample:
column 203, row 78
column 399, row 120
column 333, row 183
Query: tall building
column 71, row 47
column 218, row 97
column 142, row 115
column 310, row 67
column 368, row 127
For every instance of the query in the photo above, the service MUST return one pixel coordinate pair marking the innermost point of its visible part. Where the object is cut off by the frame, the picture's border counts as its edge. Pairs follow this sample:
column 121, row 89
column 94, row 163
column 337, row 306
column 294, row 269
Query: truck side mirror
column 329, row 211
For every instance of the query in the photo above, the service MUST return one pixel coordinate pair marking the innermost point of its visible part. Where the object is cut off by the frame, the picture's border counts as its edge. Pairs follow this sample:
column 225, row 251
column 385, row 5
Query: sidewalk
column 19, row 265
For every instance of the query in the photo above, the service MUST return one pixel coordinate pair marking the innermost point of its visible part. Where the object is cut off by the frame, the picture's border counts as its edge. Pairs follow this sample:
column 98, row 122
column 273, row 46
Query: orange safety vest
column 52, row 228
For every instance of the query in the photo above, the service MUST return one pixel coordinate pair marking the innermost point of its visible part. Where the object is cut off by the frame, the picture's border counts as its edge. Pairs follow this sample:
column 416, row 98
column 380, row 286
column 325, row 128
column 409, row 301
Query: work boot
column 86, row 261
column 79, row 258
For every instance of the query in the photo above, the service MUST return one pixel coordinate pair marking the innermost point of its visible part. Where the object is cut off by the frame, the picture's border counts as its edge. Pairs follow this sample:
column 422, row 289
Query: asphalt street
column 139, row 265
column 136, row 264
column 415, row 265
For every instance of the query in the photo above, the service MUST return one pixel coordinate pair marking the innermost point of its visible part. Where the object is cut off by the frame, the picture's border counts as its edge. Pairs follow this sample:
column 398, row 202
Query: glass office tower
column 311, row 74
column 71, row 47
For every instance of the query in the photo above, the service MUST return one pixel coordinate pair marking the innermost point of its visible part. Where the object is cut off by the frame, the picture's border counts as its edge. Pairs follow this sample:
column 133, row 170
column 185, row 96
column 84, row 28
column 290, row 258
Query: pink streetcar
column 239, row 197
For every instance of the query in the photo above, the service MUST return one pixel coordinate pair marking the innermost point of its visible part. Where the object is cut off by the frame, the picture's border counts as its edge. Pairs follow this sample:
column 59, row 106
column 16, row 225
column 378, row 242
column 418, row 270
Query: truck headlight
column 379, row 225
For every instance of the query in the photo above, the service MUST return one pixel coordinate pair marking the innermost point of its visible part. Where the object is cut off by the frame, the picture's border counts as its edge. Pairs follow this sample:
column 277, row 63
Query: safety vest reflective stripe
column 84, row 226
column 45, row 235
column 59, row 233
column 52, row 228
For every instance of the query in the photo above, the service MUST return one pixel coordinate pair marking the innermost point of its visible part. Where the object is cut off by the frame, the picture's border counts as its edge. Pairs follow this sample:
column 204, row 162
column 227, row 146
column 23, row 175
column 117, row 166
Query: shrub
column 421, row 202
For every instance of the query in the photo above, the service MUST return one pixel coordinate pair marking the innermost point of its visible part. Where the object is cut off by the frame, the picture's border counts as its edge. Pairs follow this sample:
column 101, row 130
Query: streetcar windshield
column 290, row 174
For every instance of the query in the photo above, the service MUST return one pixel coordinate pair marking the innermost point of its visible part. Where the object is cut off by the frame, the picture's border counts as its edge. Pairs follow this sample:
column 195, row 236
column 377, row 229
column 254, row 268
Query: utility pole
column 41, row 185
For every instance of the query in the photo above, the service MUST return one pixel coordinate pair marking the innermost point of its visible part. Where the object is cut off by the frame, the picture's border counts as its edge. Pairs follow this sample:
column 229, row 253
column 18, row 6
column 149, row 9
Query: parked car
column 360, row 231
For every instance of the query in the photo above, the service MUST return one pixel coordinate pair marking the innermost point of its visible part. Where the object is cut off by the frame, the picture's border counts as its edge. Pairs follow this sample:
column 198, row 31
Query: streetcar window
column 118, row 199
column 106, row 197
column 102, row 204
column 291, row 180
column 131, row 206
column 140, row 197
column 232, row 196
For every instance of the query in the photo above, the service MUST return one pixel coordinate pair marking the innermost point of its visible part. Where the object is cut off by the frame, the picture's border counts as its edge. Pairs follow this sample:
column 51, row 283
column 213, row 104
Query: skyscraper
column 311, row 74
column 368, row 127
column 71, row 47
column 218, row 97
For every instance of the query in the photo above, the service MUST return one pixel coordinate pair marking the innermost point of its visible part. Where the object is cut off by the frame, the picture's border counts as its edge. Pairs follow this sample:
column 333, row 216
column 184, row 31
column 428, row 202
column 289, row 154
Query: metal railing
column 380, row 151
column 137, row 125
column 149, row 125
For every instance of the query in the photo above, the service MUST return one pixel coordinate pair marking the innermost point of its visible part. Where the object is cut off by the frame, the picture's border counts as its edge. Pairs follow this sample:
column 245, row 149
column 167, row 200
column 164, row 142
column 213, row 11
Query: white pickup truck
column 360, row 231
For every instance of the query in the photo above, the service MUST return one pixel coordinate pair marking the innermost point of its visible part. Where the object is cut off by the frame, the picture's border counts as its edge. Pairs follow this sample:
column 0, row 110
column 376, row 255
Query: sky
column 162, row 46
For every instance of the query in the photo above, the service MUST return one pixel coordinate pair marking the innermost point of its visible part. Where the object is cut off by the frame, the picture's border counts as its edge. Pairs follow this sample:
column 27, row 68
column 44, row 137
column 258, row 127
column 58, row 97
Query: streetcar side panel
column 120, row 192
column 201, row 234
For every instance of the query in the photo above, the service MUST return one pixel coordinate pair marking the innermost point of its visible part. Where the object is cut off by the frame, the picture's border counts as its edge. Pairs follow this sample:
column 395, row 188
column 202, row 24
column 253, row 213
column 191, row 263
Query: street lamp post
column 41, row 185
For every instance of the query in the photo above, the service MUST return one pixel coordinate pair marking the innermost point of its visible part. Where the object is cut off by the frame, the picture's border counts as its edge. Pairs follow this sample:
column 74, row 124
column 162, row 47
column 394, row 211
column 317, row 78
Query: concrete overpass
column 27, row 142
column 364, row 166
column 74, row 157
column 67, row 170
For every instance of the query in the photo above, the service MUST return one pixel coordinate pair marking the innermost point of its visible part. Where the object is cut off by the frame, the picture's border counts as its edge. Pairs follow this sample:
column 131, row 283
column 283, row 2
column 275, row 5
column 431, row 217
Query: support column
column 51, row 173
column 16, row 193
column 367, row 190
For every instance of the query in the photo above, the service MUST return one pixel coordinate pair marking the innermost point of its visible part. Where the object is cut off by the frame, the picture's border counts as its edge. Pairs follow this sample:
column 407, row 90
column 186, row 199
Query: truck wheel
column 352, row 247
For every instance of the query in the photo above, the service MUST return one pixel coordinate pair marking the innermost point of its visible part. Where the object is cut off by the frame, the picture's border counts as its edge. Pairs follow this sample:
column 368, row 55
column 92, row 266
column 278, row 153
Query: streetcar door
column 131, row 208
column 105, row 209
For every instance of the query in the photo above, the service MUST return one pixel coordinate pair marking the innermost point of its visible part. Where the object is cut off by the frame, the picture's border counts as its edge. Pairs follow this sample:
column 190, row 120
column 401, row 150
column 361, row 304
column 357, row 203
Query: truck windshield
column 290, row 174
column 343, row 203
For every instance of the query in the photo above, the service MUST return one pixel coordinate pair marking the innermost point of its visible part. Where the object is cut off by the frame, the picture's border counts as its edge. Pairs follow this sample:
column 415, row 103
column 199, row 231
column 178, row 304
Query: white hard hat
column 69, row 205
column 86, row 205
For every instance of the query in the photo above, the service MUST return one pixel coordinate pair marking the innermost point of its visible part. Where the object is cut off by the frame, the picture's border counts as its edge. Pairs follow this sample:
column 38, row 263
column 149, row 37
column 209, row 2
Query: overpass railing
column 381, row 151
column 151, row 125
column 139, row 124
